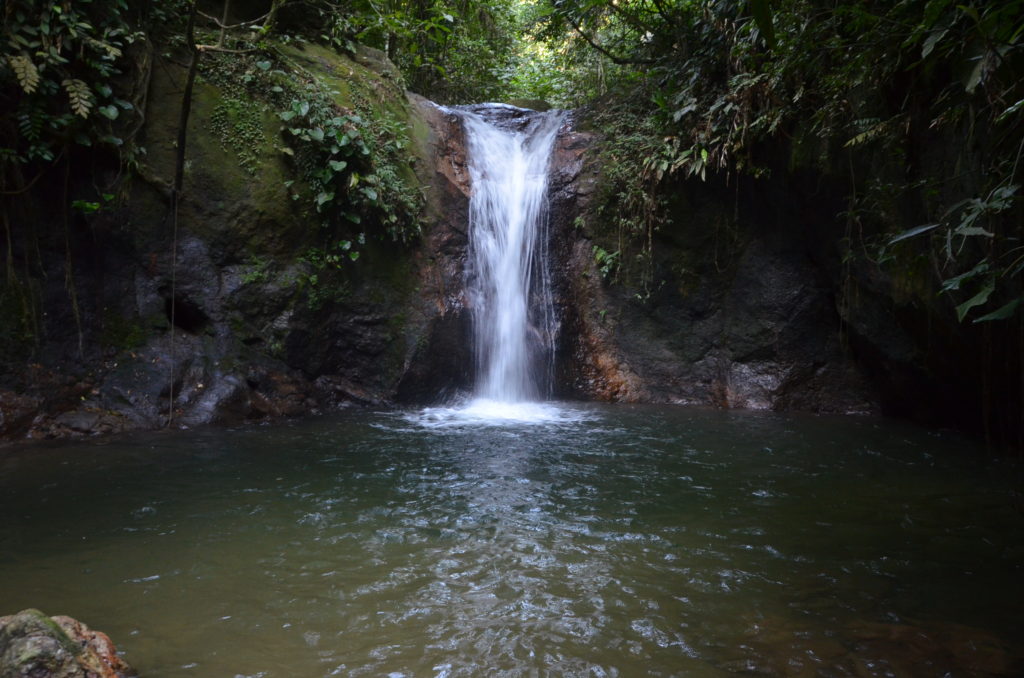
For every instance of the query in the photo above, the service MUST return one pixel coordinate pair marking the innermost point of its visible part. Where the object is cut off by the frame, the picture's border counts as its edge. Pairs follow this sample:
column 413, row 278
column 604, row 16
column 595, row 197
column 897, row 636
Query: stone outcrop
column 33, row 645
column 731, row 312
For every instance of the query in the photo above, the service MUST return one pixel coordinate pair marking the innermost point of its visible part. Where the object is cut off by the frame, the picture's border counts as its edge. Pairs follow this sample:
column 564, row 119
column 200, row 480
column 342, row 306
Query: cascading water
column 508, row 279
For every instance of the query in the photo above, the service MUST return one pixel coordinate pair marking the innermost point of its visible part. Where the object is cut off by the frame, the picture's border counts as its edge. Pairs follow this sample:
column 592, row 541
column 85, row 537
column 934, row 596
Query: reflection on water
column 568, row 541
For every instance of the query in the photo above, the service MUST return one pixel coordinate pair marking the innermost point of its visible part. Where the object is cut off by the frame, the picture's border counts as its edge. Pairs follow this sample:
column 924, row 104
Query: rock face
column 220, row 318
column 745, row 298
column 33, row 645
column 731, row 311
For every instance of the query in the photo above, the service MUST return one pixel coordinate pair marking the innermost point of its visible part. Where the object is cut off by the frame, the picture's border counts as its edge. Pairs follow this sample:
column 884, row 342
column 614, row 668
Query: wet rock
column 735, row 315
column 937, row 649
column 532, row 104
column 775, row 646
column 434, row 373
column 276, row 393
column 338, row 391
column 80, row 422
column 220, row 324
column 33, row 645
column 16, row 413
column 438, row 358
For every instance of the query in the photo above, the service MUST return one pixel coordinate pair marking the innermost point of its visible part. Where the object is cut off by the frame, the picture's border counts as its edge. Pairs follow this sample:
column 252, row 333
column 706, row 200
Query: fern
column 25, row 71
column 80, row 96
column 30, row 123
column 100, row 46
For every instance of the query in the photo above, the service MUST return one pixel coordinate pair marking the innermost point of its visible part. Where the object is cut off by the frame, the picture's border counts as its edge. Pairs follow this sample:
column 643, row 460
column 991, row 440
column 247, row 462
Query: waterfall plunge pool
column 600, row 541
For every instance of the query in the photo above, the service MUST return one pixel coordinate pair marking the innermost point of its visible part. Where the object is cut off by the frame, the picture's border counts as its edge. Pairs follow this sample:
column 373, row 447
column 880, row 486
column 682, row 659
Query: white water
column 484, row 412
column 508, row 276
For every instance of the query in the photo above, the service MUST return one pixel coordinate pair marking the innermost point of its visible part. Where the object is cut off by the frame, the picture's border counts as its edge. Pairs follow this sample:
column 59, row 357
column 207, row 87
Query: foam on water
column 490, row 412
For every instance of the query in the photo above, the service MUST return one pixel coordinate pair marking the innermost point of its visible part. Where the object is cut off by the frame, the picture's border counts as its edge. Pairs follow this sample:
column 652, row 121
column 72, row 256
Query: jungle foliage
column 74, row 78
column 916, row 105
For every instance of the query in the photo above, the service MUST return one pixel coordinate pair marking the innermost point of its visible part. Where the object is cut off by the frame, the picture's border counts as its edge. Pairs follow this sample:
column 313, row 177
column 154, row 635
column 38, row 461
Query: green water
column 606, row 541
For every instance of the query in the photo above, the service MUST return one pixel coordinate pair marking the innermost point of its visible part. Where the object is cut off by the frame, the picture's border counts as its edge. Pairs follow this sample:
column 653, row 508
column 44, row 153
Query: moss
column 17, row 322
column 240, row 127
column 911, row 278
column 236, row 175
column 121, row 333
column 33, row 623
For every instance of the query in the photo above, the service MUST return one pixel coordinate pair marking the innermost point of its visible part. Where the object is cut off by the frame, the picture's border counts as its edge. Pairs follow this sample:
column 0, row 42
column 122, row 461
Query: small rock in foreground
column 33, row 645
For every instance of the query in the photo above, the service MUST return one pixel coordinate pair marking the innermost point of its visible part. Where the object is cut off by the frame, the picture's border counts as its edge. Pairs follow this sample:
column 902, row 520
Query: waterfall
column 508, row 277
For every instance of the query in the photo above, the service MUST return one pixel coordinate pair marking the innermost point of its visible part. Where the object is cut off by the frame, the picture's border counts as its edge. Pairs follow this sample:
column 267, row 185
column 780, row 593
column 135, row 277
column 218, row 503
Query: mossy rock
column 32, row 644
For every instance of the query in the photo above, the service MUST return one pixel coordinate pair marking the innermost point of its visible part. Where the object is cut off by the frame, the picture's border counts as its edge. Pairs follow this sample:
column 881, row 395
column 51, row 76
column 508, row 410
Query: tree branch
column 622, row 61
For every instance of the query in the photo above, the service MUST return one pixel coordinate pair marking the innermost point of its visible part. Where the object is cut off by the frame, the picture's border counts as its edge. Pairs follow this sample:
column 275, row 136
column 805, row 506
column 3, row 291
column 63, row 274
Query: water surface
column 591, row 541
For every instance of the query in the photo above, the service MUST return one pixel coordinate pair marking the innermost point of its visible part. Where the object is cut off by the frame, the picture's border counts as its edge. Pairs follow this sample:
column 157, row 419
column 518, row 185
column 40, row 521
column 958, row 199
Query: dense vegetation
column 912, row 109
column 698, row 87
column 916, row 104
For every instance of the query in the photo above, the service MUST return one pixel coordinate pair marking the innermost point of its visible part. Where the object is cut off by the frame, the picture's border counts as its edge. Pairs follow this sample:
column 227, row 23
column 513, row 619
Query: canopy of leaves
column 58, row 65
column 844, row 84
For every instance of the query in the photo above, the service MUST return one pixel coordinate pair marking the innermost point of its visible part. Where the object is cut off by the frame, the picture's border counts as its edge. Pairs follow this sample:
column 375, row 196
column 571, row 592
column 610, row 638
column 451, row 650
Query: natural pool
column 588, row 541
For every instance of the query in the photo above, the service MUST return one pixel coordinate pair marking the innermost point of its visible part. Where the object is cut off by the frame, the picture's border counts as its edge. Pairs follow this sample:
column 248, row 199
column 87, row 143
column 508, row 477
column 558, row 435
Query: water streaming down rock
column 508, row 276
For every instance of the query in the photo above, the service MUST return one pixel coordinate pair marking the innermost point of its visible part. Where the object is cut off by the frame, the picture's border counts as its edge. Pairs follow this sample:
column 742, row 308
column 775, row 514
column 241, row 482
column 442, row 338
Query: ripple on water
column 568, row 540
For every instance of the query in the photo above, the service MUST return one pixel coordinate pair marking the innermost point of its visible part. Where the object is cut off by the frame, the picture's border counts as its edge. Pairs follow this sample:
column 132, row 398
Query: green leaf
column 969, row 11
column 263, row 65
column 338, row 165
column 977, row 300
column 910, row 233
column 932, row 40
column 85, row 206
column 353, row 255
column 79, row 95
column 317, row 134
column 975, row 78
column 952, row 284
column 109, row 112
column 763, row 17
column 286, row 115
column 1002, row 313
column 973, row 230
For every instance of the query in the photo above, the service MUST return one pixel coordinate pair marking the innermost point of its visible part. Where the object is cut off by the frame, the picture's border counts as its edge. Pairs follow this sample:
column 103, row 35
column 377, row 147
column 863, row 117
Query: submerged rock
column 33, row 645
column 777, row 646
